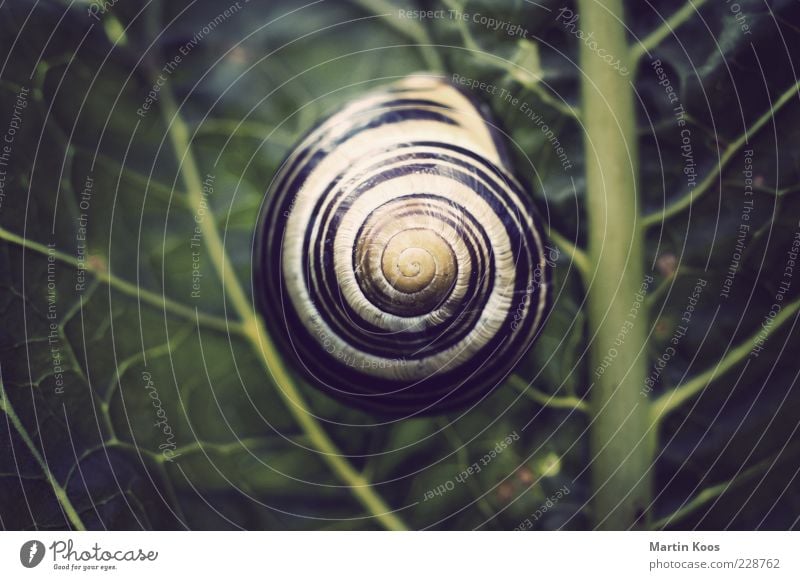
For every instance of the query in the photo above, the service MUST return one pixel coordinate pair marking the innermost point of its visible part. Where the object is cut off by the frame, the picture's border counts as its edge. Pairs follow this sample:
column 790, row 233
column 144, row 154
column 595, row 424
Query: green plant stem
column 127, row 288
column 674, row 398
column 730, row 151
column 773, row 191
column 60, row 492
column 245, row 444
column 530, row 80
column 667, row 27
column 713, row 492
column 577, row 256
column 463, row 462
column 412, row 29
column 621, row 440
column 257, row 333
column 143, row 182
column 546, row 400
column 248, row 129
column 654, row 296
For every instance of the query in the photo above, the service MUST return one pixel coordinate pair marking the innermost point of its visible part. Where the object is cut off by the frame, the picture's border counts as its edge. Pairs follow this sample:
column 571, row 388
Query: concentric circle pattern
column 402, row 265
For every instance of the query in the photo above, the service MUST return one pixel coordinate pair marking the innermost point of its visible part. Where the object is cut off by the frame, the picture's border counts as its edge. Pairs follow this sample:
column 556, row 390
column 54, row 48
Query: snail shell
column 400, row 264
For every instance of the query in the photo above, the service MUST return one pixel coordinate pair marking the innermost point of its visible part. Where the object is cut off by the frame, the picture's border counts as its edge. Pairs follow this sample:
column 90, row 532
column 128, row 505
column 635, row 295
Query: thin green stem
column 60, row 492
column 247, row 444
column 534, row 85
column 254, row 328
column 654, row 296
column 577, row 256
column 674, row 398
column 621, row 440
column 141, row 181
column 545, row 400
column 769, row 190
column 667, row 27
column 730, row 151
column 710, row 493
column 463, row 26
column 125, row 287
column 412, row 29
column 527, row 78
column 249, row 129
column 463, row 462
column 166, row 349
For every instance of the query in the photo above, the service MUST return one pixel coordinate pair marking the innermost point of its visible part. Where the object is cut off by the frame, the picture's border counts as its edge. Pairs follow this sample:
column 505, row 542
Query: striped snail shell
column 400, row 264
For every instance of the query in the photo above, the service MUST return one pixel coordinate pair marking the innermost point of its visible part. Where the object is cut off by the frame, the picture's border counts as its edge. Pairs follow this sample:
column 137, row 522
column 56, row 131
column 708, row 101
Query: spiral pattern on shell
column 401, row 265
